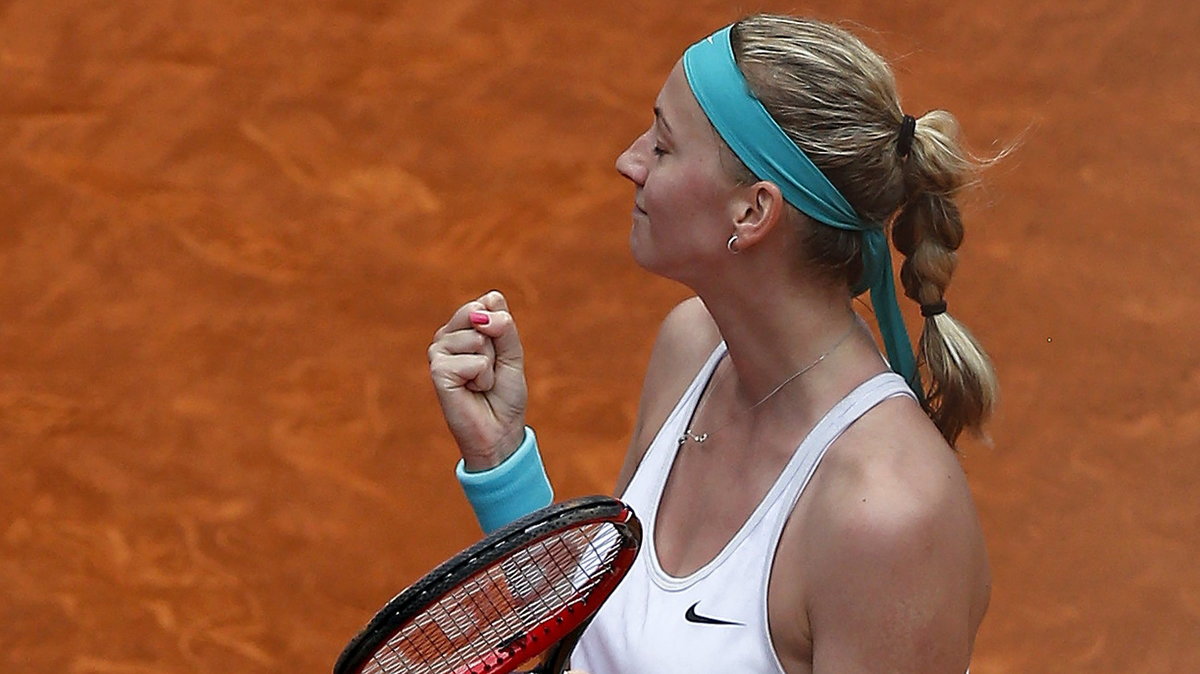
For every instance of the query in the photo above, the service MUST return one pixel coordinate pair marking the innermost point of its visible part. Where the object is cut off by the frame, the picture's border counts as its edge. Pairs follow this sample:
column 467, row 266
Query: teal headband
column 746, row 126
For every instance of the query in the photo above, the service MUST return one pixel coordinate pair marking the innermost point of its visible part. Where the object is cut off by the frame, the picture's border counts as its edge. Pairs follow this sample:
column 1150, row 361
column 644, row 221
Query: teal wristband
column 515, row 488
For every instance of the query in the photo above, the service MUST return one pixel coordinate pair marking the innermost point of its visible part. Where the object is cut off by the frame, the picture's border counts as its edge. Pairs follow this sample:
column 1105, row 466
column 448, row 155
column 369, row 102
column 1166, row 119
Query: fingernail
column 479, row 318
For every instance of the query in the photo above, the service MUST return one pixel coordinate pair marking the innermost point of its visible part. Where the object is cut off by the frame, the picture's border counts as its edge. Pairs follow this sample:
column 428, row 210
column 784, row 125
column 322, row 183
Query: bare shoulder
column 898, row 571
column 891, row 486
column 892, row 469
column 685, row 340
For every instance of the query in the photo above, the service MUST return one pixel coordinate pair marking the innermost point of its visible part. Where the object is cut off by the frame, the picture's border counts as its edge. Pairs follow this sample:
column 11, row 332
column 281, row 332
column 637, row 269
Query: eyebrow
column 658, row 115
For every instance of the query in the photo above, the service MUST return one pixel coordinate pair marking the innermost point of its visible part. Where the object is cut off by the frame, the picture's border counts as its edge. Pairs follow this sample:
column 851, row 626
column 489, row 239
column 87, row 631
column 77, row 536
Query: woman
column 803, row 506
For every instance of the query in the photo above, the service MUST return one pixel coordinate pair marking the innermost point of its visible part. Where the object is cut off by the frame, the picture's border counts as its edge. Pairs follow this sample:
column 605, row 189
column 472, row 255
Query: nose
column 632, row 162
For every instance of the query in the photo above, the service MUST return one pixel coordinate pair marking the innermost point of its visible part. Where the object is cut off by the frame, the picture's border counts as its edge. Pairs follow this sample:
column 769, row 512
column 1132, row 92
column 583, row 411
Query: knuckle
column 460, row 314
column 439, row 361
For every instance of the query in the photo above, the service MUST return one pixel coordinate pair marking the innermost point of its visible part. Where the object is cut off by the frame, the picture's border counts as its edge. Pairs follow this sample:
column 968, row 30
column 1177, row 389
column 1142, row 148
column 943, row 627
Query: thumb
column 503, row 331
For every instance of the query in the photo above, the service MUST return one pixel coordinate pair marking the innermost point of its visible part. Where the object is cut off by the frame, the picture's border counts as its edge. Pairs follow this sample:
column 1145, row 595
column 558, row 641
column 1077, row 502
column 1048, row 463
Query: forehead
column 679, row 107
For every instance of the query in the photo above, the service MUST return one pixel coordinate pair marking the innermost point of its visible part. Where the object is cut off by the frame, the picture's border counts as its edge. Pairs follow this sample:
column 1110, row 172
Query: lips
column 637, row 203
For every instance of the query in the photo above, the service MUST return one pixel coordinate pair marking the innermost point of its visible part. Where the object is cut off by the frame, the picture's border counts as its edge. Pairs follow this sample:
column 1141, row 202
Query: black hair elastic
column 908, row 128
column 931, row 310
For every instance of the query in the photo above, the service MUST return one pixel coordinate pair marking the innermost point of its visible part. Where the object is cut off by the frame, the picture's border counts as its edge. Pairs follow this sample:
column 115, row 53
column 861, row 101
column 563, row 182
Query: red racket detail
column 517, row 601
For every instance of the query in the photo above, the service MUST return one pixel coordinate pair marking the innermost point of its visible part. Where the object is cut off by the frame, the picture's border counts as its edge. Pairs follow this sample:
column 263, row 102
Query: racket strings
column 501, row 604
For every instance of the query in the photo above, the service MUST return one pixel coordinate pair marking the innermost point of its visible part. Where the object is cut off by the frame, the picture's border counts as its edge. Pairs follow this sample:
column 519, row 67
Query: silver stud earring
column 729, row 244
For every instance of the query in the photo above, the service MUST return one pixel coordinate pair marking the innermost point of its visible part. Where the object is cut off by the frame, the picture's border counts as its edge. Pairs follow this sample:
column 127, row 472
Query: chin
column 645, row 259
column 648, row 256
column 638, row 251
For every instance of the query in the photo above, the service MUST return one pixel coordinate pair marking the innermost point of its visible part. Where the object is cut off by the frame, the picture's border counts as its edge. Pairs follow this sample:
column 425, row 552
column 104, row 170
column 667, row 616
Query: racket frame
column 564, row 628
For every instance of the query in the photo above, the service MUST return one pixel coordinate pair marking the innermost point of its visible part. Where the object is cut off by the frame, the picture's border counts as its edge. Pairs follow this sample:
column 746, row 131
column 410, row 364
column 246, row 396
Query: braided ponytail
column 836, row 99
column 962, row 388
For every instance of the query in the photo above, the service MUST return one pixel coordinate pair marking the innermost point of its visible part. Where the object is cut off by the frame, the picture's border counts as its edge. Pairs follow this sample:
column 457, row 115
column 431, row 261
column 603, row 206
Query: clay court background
column 228, row 230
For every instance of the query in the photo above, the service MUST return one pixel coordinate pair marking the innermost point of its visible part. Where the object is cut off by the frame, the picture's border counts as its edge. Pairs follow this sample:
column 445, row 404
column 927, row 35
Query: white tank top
column 715, row 619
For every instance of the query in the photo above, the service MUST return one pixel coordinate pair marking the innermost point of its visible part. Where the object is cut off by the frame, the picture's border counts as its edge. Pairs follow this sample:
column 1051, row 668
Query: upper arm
column 897, row 583
column 891, row 611
column 685, row 339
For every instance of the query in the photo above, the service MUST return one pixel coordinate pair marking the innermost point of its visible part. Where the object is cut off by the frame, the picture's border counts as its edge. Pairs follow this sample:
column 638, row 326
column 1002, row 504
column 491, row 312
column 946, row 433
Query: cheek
column 684, row 195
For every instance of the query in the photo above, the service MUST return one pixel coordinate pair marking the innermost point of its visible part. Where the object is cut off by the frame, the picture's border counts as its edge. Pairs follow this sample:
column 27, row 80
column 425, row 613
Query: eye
column 658, row 150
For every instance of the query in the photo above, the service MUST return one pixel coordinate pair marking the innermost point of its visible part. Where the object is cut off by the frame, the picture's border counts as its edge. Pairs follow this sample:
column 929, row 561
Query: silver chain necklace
column 699, row 439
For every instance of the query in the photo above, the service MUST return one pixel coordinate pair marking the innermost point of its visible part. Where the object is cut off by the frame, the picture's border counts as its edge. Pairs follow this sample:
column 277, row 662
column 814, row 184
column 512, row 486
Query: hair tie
column 908, row 128
column 933, row 309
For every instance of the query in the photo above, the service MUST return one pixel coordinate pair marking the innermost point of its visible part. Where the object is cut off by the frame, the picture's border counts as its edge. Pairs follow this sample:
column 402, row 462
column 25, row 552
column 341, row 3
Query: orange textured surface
column 229, row 229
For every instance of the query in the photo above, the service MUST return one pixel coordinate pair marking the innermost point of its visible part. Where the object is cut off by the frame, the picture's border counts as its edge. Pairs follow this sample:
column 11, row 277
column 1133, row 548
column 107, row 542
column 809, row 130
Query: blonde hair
column 837, row 100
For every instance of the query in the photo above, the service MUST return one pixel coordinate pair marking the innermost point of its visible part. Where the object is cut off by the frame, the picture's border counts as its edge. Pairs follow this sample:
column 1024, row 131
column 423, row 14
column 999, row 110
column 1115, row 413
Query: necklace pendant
column 701, row 439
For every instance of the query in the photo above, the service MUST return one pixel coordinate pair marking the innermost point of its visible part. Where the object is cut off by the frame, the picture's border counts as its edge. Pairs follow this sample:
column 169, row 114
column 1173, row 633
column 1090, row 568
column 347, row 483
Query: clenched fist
column 478, row 370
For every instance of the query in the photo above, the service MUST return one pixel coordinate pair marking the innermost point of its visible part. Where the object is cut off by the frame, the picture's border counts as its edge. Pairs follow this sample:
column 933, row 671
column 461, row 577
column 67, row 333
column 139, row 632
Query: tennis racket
column 517, row 601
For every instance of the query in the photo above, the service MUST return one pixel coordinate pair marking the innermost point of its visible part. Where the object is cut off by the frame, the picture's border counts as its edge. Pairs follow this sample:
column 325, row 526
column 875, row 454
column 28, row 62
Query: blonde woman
column 803, row 506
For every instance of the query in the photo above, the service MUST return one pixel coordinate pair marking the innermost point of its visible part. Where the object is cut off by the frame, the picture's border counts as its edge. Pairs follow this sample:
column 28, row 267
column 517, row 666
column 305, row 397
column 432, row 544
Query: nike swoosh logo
column 693, row 617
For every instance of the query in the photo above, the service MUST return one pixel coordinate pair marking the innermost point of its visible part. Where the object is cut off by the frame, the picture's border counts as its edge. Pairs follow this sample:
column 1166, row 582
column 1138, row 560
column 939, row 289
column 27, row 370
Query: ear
column 757, row 209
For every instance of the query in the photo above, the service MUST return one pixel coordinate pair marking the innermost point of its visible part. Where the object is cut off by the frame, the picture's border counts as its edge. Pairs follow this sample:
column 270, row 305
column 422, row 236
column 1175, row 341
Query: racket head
column 478, row 612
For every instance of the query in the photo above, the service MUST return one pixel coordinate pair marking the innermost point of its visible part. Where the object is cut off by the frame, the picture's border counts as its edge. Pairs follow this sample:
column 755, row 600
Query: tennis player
column 804, row 507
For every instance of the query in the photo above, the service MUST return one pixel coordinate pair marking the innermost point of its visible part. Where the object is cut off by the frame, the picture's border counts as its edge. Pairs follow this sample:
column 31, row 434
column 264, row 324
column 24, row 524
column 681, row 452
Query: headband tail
column 887, row 311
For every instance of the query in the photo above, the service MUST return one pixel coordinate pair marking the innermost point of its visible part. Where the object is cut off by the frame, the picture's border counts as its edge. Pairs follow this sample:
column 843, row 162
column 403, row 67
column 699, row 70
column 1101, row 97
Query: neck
column 773, row 331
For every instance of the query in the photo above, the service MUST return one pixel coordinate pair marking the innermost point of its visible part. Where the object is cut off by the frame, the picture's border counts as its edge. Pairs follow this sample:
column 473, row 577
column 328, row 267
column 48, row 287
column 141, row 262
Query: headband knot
column 908, row 129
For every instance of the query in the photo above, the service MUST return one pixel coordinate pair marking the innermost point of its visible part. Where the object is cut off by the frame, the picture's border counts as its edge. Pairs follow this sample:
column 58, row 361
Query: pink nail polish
column 479, row 318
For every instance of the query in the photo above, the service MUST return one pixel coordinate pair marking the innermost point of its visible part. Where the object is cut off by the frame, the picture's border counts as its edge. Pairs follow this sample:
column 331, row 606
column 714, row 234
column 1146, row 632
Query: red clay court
column 228, row 231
